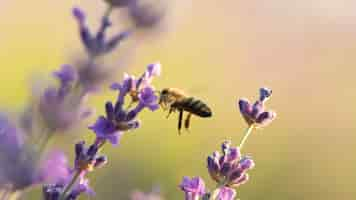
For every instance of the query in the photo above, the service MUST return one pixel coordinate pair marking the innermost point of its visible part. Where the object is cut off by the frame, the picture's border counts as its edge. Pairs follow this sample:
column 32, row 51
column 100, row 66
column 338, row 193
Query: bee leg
column 171, row 109
column 180, row 120
column 187, row 121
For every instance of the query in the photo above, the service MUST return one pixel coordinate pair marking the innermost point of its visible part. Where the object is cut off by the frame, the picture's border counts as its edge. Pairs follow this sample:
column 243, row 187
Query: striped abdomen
column 194, row 106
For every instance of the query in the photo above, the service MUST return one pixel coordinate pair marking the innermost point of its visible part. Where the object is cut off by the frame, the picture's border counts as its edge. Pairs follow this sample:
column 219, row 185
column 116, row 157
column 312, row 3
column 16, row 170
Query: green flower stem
column 247, row 133
column 70, row 185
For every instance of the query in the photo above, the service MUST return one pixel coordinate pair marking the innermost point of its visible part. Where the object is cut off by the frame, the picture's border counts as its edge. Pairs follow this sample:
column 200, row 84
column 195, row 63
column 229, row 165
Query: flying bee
column 176, row 100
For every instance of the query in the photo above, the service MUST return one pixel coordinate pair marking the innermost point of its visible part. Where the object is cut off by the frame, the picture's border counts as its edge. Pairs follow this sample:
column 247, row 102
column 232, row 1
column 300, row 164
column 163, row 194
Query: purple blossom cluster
column 255, row 114
column 118, row 119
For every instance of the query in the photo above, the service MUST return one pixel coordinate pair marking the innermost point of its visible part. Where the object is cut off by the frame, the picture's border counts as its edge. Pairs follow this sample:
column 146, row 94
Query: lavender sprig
column 118, row 119
column 255, row 115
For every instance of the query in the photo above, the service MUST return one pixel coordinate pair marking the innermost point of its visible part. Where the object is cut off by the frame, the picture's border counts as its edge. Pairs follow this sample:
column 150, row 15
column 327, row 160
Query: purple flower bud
column 229, row 169
column 256, row 115
column 257, row 109
column 213, row 168
column 246, row 164
column 266, row 118
column 103, row 127
column 265, row 94
column 146, row 15
column 79, row 148
column 225, row 169
column 193, row 188
column 225, row 145
column 55, row 168
column 100, row 161
column 226, row 193
column 234, row 154
column 67, row 74
column 52, row 191
column 78, row 14
column 93, row 149
column 109, row 108
column 116, row 40
column 239, row 181
column 154, row 69
column 235, row 175
column 148, row 98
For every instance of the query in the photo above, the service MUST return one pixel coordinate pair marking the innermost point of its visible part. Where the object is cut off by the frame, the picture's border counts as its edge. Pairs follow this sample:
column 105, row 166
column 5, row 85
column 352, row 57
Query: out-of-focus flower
column 55, row 168
column 255, row 115
column 147, row 14
column 193, row 188
column 60, row 108
column 118, row 119
column 19, row 167
column 153, row 195
column 229, row 169
column 118, row 3
column 97, row 44
column 226, row 193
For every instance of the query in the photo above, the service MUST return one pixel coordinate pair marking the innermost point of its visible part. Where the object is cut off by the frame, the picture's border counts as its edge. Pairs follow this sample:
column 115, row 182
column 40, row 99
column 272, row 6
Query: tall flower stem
column 247, row 133
column 70, row 185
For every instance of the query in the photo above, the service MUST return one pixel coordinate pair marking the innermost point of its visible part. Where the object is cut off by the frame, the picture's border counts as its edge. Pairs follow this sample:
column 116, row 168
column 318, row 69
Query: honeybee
column 175, row 99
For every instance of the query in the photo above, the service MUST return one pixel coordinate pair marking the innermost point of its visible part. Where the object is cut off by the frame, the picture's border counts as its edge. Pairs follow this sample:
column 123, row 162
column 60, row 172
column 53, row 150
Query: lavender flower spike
column 60, row 109
column 118, row 119
column 98, row 44
column 229, row 169
column 255, row 115
column 193, row 188
column 226, row 193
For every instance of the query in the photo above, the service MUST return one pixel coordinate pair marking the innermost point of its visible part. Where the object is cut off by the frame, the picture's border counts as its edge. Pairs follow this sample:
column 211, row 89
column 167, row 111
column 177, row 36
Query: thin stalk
column 247, row 133
column 70, row 185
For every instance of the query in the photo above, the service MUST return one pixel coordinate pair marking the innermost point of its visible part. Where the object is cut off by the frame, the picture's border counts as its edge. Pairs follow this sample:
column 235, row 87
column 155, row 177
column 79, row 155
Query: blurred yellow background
column 220, row 51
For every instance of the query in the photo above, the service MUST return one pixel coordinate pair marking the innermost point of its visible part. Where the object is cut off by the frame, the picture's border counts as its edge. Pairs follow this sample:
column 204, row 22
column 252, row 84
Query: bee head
column 164, row 97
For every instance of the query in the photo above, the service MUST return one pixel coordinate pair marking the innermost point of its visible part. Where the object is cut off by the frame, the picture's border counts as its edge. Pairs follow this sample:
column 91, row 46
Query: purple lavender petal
column 266, row 118
column 116, row 86
column 114, row 138
column 265, row 93
column 148, row 98
column 66, row 74
column 115, row 41
column 55, row 169
column 246, row 164
column 154, row 69
column 195, row 186
column 79, row 14
column 103, row 127
column 226, row 193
